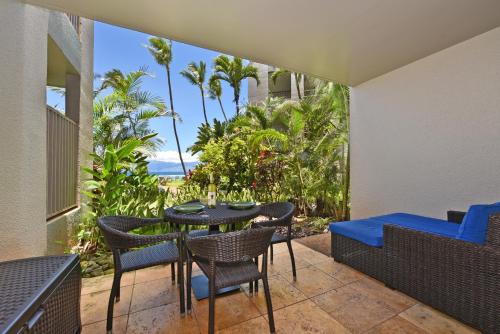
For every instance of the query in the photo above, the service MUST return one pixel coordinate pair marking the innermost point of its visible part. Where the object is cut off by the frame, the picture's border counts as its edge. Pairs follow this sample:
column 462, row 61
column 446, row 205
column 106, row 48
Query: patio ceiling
column 348, row 41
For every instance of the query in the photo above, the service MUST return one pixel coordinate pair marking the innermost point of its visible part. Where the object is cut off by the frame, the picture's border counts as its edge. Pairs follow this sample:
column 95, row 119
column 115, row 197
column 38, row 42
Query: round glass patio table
column 220, row 215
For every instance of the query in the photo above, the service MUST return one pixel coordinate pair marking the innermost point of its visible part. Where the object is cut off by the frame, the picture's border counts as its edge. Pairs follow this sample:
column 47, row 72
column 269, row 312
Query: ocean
column 173, row 175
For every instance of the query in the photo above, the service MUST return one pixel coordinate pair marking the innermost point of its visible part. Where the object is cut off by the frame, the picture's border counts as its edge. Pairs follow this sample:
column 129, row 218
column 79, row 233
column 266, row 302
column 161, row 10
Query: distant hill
column 169, row 167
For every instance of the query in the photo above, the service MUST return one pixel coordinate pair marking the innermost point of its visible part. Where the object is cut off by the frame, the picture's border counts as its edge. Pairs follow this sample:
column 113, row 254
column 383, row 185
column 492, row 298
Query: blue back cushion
column 475, row 224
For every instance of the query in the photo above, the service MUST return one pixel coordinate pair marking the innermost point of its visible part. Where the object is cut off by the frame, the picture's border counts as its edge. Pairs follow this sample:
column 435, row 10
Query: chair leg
column 272, row 257
column 211, row 305
column 257, row 282
column 250, row 284
column 290, row 250
column 172, row 269
column 111, row 303
column 119, row 278
column 269, row 304
column 189, row 270
column 180, row 279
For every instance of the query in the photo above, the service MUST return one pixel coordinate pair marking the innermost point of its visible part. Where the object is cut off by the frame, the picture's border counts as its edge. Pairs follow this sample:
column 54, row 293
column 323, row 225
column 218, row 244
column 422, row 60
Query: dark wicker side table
column 40, row 295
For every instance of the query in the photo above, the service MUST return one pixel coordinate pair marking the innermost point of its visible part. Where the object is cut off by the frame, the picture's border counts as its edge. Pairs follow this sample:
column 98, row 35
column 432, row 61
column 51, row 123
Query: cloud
column 173, row 156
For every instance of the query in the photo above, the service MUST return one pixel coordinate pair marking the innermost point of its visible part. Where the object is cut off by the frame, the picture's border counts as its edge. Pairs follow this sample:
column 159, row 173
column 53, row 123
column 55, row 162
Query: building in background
column 43, row 149
column 285, row 85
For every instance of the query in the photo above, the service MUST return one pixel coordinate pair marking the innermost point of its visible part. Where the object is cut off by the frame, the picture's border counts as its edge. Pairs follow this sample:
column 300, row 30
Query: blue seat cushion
column 370, row 231
column 475, row 223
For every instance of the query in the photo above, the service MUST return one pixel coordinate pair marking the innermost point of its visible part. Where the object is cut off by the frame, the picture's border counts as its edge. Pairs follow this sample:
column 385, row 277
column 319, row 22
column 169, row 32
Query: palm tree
column 298, row 78
column 206, row 133
column 215, row 92
column 161, row 50
column 128, row 102
column 234, row 72
column 196, row 76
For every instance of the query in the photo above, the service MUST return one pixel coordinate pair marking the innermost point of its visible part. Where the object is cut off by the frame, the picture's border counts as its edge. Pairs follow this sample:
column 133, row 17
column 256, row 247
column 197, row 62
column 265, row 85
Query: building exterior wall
column 66, row 38
column 23, row 60
column 285, row 87
column 62, row 227
column 425, row 138
column 258, row 93
column 25, row 35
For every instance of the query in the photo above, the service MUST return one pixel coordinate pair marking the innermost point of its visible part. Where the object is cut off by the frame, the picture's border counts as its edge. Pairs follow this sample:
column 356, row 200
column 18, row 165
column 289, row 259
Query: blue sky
column 124, row 49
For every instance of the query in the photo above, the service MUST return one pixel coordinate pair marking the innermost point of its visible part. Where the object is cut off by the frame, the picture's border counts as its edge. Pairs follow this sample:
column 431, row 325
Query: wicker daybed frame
column 459, row 278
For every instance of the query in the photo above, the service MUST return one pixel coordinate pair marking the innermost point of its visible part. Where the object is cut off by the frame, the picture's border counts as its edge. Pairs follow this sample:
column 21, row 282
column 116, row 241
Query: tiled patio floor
column 327, row 298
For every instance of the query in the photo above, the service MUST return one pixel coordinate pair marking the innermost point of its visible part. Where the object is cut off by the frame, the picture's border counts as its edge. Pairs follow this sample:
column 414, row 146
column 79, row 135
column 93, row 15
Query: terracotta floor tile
column 283, row 265
column 254, row 326
column 119, row 326
column 311, row 281
column 339, row 271
column 341, row 300
column 353, row 309
column 391, row 299
column 282, row 294
column 434, row 321
column 298, row 246
column 153, row 273
column 94, row 306
column 396, row 325
column 311, row 256
column 162, row 319
column 230, row 310
column 280, row 248
column 154, row 293
column 306, row 317
column 101, row 283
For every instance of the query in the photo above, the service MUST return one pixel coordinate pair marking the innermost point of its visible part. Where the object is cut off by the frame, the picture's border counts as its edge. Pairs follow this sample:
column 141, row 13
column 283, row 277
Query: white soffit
column 348, row 41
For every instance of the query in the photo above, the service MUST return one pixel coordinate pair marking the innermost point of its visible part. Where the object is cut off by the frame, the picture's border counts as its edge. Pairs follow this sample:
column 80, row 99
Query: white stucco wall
column 23, row 69
column 426, row 137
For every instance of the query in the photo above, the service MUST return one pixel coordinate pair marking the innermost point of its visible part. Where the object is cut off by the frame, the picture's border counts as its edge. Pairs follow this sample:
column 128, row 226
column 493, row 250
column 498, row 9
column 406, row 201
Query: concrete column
column 73, row 97
column 86, row 96
column 23, row 67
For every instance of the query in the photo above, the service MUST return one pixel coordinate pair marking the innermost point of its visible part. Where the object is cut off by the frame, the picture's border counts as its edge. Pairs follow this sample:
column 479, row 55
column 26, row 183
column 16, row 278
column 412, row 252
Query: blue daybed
column 452, row 265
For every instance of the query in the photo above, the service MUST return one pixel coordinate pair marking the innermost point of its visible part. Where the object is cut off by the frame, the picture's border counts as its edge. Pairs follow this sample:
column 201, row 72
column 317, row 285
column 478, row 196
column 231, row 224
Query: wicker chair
column 164, row 251
column 278, row 214
column 226, row 259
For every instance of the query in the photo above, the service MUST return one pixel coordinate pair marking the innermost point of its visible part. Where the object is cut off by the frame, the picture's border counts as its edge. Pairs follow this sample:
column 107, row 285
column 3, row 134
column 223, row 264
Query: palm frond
column 161, row 50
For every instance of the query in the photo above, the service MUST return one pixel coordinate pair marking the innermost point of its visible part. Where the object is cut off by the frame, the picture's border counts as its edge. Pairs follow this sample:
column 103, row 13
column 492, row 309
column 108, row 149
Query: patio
column 328, row 297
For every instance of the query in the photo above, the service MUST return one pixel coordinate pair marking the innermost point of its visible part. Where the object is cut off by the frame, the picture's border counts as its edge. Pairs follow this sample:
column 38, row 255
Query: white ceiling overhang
column 348, row 41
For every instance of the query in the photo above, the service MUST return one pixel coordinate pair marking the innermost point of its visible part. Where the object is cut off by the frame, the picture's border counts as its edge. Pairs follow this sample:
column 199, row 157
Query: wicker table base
column 199, row 284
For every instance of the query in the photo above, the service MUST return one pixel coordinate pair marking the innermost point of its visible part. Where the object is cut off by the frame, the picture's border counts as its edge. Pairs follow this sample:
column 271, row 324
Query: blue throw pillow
column 475, row 223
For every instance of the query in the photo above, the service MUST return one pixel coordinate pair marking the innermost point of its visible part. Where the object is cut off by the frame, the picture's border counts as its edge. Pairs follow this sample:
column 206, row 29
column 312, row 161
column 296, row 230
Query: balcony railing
column 62, row 163
column 75, row 21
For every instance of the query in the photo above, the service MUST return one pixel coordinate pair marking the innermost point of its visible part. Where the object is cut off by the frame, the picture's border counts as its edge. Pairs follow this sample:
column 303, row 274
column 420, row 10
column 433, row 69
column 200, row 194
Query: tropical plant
column 233, row 71
column 296, row 150
column 215, row 92
column 195, row 74
column 229, row 160
column 161, row 50
column 207, row 133
column 120, row 185
column 126, row 112
column 282, row 72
